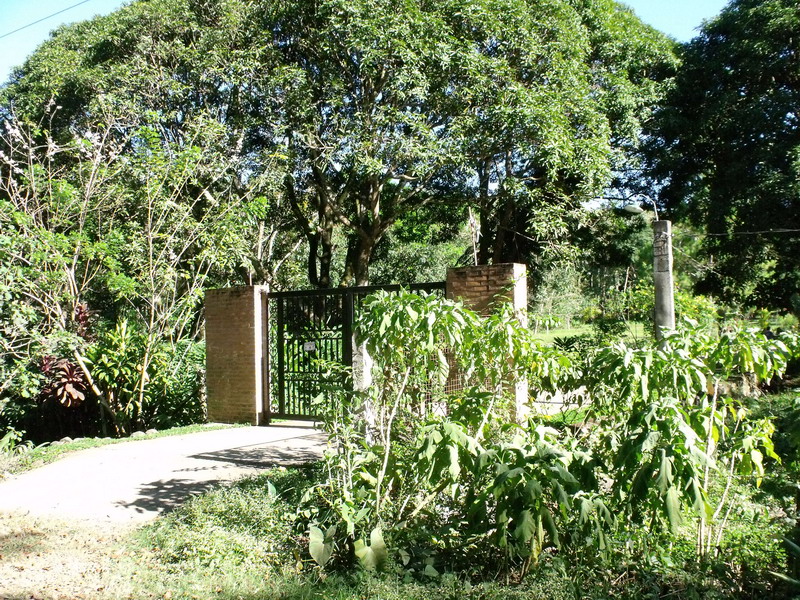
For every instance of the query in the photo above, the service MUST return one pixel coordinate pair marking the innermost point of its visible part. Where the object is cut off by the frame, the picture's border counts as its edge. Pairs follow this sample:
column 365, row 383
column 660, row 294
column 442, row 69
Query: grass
column 548, row 337
column 25, row 460
column 233, row 542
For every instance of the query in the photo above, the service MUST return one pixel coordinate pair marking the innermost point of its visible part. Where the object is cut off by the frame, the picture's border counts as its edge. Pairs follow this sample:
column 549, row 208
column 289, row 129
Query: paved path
column 134, row 481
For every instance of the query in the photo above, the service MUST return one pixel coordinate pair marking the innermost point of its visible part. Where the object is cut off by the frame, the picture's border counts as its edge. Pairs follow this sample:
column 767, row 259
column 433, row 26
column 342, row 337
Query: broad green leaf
column 374, row 556
column 550, row 526
column 650, row 441
column 673, row 506
column 319, row 549
column 665, row 473
column 405, row 557
column 526, row 527
column 454, row 467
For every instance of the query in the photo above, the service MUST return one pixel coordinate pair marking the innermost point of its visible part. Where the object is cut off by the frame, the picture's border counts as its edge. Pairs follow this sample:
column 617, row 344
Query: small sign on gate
column 310, row 346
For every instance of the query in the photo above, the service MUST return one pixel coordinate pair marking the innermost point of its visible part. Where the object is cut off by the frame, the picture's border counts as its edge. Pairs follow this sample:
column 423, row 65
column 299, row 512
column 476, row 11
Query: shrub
column 145, row 384
column 417, row 484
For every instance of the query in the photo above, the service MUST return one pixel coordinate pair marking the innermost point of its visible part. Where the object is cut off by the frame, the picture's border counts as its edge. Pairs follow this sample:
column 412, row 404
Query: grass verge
column 634, row 331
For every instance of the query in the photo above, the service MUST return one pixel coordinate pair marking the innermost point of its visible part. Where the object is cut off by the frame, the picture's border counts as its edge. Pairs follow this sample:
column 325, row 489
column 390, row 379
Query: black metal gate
column 305, row 328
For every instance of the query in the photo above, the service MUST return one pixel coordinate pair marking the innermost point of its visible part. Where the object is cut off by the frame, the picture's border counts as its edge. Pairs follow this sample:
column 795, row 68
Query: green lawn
column 549, row 336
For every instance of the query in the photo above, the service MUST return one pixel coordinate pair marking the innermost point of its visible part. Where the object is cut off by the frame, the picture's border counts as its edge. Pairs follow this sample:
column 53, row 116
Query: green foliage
column 372, row 556
column 417, row 250
column 121, row 368
column 559, row 299
column 320, row 545
column 619, row 309
column 118, row 369
column 725, row 151
column 443, row 476
column 92, row 242
column 12, row 443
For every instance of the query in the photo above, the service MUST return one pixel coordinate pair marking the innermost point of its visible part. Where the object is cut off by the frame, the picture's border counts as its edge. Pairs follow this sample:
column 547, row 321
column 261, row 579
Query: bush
column 53, row 398
column 413, row 483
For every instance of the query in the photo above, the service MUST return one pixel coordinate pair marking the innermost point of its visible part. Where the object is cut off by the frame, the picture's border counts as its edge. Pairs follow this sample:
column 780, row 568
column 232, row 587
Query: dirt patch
column 48, row 559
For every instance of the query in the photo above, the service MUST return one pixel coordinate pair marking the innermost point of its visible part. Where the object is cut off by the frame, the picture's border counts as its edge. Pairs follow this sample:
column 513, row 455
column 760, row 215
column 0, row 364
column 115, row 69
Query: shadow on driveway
column 167, row 494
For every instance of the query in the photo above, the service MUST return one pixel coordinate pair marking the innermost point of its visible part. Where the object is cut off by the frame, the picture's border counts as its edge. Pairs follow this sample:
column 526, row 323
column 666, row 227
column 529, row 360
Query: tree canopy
column 521, row 108
column 726, row 151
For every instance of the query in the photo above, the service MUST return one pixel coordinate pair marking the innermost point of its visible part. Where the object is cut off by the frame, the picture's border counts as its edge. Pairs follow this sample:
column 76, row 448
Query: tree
column 107, row 243
column 376, row 108
column 575, row 135
column 170, row 66
column 725, row 150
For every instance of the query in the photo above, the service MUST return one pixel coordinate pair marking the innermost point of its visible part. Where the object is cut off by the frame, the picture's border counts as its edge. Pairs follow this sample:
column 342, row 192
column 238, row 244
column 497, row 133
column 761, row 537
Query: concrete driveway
column 135, row 481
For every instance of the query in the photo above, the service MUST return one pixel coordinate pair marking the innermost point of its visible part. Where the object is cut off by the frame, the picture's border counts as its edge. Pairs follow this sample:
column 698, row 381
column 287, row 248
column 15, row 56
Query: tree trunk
column 319, row 236
column 504, row 218
column 325, row 254
column 359, row 255
column 504, row 230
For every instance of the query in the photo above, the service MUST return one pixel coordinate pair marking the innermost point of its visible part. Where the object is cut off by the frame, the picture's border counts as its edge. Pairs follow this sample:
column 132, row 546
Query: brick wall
column 234, row 354
column 481, row 288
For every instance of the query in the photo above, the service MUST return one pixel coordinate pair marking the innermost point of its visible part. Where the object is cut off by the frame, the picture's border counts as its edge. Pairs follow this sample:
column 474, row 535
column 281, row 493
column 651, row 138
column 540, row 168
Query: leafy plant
column 67, row 383
column 13, row 442
column 442, row 473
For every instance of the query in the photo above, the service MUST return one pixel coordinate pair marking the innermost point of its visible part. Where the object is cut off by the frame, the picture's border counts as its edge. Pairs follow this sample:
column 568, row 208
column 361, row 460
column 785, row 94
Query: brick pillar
column 235, row 354
column 482, row 287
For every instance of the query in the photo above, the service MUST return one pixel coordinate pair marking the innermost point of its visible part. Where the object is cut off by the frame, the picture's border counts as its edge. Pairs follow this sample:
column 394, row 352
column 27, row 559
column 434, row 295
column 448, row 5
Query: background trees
column 726, row 148
column 522, row 109
column 535, row 169
column 233, row 137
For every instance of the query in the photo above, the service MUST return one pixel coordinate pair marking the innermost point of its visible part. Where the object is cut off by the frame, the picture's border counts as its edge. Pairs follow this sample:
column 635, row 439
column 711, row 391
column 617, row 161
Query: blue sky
column 678, row 18
column 14, row 48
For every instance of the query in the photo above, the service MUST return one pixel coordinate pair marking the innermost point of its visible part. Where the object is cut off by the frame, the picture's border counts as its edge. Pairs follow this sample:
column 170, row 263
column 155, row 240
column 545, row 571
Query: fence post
column 266, row 403
column 355, row 354
column 664, row 316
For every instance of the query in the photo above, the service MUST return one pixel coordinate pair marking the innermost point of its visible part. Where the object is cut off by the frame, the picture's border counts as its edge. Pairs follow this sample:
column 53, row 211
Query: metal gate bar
column 311, row 325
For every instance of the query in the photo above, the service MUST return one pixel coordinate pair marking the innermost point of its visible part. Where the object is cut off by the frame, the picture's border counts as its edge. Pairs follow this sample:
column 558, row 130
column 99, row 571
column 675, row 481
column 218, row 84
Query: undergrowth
column 651, row 488
column 245, row 541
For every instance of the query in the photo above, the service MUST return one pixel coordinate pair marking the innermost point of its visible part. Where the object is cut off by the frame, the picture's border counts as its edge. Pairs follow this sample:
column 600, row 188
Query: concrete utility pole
column 662, row 277
column 664, row 316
